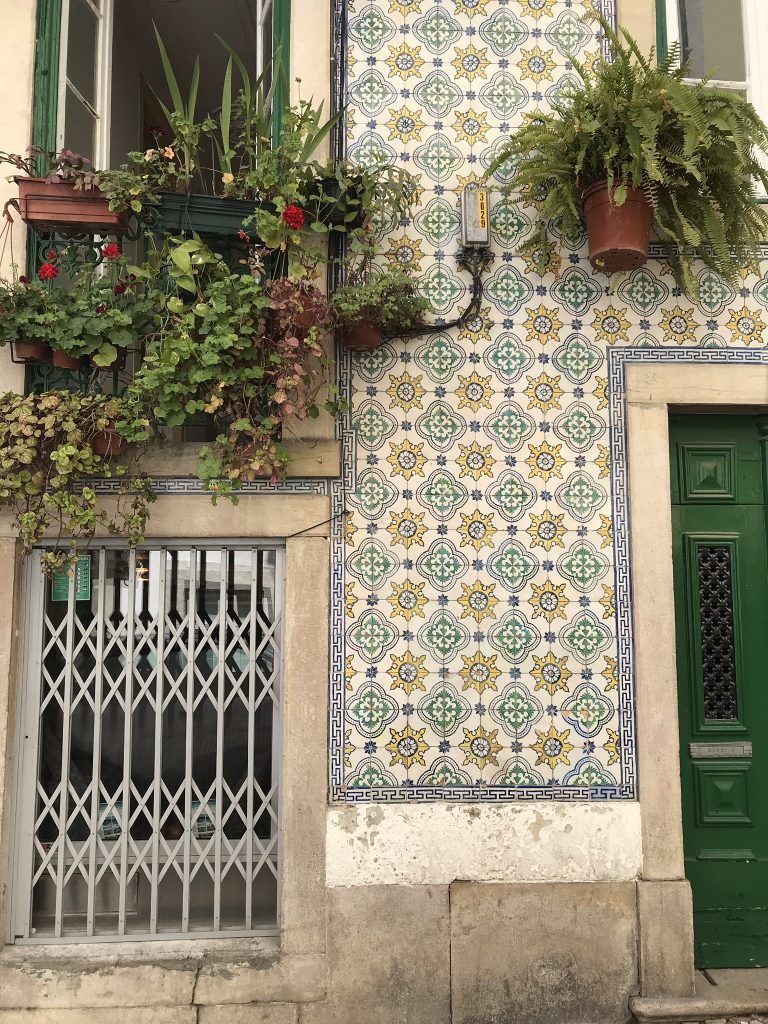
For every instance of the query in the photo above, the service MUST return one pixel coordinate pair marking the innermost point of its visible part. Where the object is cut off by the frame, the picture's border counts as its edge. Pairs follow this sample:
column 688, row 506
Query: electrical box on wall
column 475, row 217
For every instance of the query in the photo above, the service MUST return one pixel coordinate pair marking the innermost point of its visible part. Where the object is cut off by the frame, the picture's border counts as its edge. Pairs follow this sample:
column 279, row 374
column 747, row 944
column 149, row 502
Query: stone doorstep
column 698, row 1010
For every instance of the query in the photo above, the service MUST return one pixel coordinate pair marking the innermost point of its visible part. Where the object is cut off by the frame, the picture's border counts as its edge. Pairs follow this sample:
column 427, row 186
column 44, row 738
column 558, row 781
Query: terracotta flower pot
column 618, row 235
column 66, row 362
column 307, row 318
column 57, row 206
column 361, row 337
column 32, row 351
column 108, row 443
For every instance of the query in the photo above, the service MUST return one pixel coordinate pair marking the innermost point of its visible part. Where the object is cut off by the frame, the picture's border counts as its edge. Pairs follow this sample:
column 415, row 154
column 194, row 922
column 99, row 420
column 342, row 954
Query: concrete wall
column 639, row 18
column 17, row 53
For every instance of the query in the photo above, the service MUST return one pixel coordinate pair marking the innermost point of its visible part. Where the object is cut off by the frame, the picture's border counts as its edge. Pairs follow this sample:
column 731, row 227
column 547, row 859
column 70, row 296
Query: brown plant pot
column 307, row 318
column 56, row 206
column 618, row 235
column 32, row 351
column 361, row 337
column 65, row 362
column 108, row 443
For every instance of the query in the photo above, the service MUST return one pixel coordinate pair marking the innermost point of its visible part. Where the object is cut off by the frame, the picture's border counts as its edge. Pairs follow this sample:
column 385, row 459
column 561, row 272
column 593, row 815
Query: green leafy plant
column 104, row 308
column 28, row 314
column 54, row 166
column 238, row 154
column 389, row 300
column 693, row 149
column 47, row 466
column 245, row 352
column 85, row 309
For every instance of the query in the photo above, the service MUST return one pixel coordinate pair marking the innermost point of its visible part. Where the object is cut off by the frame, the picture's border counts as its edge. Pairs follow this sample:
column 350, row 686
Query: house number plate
column 704, row 751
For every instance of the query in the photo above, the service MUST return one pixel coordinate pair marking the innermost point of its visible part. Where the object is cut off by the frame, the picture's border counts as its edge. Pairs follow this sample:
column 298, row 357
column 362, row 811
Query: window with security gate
column 150, row 699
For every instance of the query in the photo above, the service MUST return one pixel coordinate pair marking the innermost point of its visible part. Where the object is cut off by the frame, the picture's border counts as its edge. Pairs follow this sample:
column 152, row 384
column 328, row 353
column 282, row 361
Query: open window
column 723, row 39
column 107, row 65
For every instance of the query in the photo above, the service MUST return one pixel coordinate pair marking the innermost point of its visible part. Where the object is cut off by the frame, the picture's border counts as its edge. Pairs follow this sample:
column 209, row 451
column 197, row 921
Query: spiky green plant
column 694, row 149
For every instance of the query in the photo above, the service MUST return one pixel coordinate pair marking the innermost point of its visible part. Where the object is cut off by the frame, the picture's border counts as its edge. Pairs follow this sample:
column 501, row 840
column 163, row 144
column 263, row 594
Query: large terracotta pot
column 360, row 337
column 66, row 362
column 618, row 235
column 32, row 351
column 56, row 207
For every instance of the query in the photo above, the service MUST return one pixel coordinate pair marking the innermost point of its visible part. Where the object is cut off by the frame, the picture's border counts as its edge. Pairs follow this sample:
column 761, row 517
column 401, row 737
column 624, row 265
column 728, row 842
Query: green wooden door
column 721, row 597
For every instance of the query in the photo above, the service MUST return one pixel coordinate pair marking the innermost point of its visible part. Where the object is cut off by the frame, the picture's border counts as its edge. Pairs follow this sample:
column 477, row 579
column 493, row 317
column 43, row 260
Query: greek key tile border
column 163, row 486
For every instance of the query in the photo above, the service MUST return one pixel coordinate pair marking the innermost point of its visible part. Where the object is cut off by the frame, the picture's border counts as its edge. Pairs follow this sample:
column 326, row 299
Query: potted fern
column 634, row 148
column 387, row 304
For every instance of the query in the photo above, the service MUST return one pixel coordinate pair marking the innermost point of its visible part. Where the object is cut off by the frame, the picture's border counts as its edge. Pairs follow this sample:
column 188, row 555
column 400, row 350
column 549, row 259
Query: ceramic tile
column 488, row 464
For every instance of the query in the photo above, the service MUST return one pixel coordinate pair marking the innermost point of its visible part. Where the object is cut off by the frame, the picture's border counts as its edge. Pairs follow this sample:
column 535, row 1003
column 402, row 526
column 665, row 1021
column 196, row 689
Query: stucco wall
column 435, row 844
column 17, row 50
column 639, row 18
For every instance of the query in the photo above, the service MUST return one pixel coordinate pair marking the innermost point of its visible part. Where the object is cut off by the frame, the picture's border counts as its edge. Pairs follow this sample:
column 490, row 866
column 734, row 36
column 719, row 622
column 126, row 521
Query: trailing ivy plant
column 695, row 150
column 245, row 352
column 47, row 466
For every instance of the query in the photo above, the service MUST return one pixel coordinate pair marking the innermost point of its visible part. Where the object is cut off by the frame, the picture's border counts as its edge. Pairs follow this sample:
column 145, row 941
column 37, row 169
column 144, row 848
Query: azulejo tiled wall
column 477, row 652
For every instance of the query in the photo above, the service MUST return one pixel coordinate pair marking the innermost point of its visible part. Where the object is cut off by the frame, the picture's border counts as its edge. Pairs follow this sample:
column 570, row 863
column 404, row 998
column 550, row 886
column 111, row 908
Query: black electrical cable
column 475, row 259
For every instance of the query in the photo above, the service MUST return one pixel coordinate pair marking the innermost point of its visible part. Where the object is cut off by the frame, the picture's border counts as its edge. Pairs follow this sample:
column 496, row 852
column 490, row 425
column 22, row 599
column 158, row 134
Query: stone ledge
column 289, row 979
column 140, row 1015
column 695, row 1009
column 313, row 458
column 65, row 986
column 79, row 984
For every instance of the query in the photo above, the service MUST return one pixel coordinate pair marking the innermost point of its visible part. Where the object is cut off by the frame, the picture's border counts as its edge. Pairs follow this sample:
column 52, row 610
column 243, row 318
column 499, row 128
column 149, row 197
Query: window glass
column 82, row 49
column 80, row 126
column 712, row 36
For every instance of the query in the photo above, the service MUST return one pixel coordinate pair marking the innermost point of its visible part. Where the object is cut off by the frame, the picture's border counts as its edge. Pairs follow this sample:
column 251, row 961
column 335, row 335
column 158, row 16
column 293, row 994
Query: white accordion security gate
column 149, row 745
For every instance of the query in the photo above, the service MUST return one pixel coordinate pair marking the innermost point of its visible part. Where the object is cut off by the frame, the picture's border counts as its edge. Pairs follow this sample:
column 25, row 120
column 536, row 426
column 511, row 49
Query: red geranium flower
column 23, row 279
column 101, row 309
column 47, row 272
column 120, row 288
column 110, row 251
column 51, row 255
column 293, row 217
column 241, row 234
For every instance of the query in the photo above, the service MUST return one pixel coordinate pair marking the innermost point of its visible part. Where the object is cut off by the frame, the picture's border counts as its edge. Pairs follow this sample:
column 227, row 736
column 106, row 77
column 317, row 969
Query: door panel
column 721, row 596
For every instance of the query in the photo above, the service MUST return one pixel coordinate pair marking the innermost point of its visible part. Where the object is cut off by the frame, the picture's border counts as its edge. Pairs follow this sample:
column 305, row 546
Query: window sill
column 313, row 458
column 158, row 974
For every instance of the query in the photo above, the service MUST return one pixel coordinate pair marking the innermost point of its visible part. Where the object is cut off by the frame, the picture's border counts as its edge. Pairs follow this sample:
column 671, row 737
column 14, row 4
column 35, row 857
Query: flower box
column 57, row 207
column 333, row 213
column 205, row 215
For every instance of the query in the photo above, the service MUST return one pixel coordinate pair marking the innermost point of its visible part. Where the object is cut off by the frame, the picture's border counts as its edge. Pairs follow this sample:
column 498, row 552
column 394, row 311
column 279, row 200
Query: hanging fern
column 694, row 150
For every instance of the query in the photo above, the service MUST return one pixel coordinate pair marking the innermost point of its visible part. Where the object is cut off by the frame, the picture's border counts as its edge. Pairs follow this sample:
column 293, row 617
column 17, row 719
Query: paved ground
column 737, row 984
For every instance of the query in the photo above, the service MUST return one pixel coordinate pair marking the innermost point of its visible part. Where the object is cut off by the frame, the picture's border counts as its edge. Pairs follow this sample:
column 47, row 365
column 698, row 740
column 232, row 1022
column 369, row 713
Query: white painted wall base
column 435, row 844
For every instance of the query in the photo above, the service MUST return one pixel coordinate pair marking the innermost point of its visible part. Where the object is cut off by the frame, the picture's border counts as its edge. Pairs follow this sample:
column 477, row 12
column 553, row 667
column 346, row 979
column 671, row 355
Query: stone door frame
column 654, row 382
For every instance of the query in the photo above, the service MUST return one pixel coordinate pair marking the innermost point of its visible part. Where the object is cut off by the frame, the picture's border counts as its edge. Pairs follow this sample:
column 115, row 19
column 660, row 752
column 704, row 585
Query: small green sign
column 60, row 582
